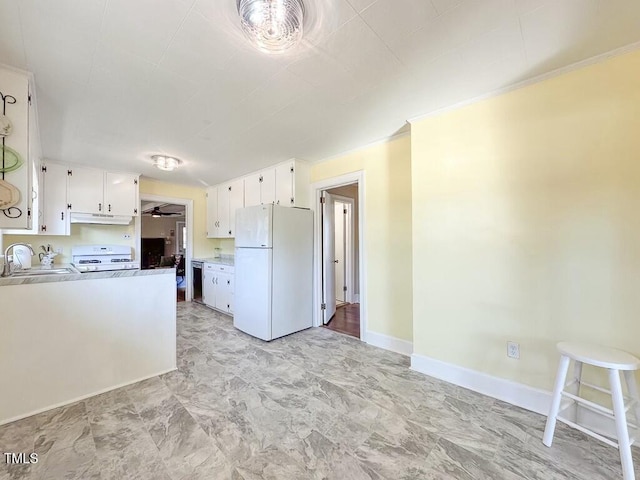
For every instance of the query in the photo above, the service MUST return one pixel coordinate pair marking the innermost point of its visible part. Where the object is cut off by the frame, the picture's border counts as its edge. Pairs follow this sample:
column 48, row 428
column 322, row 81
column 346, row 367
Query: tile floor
column 315, row 405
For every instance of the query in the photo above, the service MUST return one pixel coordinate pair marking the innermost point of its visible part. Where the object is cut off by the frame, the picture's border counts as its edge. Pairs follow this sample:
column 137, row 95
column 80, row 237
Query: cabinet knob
column 228, row 282
column 229, row 232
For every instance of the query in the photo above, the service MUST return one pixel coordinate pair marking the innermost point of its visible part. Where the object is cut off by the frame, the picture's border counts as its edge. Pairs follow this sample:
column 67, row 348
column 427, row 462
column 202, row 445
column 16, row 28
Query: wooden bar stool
column 615, row 361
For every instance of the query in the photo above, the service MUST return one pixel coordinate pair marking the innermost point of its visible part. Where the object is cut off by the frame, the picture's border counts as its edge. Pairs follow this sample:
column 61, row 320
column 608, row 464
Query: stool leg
column 561, row 378
column 621, row 425
column 630, row 378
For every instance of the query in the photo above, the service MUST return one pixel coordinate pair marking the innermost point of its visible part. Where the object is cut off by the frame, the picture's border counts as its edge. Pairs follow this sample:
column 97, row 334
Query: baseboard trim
column 387, row 342
column 518, row 394
column 83, row 397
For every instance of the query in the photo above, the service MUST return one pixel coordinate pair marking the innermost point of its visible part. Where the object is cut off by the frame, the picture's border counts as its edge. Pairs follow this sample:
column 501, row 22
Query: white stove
column 98, row 258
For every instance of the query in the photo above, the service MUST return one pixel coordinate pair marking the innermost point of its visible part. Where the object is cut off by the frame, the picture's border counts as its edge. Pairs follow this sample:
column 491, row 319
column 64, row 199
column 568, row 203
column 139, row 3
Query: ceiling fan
column 156, row 212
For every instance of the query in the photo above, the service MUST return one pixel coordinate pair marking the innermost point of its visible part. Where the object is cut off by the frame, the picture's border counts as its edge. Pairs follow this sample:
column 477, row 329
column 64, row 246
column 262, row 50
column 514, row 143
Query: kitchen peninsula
column 71, row 336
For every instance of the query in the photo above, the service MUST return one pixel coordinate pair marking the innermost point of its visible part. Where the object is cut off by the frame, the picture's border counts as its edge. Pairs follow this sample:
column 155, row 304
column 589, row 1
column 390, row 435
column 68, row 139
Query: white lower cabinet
column 217, row 287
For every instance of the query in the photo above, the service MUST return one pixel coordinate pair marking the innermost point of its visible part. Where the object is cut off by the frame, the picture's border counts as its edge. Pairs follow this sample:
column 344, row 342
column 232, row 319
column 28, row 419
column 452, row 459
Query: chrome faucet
column 6, row 269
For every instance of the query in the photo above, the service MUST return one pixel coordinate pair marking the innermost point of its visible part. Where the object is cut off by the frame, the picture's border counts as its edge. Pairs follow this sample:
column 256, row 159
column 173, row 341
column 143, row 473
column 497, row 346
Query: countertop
column 83, row 276
column 222, row 260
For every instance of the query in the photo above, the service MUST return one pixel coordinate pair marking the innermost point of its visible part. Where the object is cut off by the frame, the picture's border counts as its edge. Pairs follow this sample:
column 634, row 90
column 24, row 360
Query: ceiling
column 179, row 210
column 118, row 80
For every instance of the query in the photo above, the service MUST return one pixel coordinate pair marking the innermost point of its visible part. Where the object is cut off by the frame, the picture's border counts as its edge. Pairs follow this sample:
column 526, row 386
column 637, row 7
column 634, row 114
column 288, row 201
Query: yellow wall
column 202, row 246
column 387, row 170
column 81, row 234
column 526, row 223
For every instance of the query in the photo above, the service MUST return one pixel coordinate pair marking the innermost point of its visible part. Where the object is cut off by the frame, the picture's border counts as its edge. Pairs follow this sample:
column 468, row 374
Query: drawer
column 216, row 267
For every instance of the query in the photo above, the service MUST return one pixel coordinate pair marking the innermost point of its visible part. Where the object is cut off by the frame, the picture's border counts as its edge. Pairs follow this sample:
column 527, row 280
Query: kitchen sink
column 38, row 271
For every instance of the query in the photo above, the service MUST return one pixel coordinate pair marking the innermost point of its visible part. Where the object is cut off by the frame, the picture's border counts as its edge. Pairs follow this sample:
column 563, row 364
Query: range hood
column 101, row 219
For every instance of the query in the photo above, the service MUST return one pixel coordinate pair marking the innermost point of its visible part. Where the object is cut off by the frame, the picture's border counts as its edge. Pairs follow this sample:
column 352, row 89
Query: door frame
column 188, row 215
column 349, row 247
column 357, row 177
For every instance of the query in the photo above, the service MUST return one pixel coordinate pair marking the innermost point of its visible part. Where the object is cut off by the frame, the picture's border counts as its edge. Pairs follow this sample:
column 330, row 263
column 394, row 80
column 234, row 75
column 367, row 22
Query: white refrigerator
column 273, row 270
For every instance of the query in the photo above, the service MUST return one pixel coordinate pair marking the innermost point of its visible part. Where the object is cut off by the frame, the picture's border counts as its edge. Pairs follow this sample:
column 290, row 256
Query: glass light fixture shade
column 166, row 163
column 274, row 26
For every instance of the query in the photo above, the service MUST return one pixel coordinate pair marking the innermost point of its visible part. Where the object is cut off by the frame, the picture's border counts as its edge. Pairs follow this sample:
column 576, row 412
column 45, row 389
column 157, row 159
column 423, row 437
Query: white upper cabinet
column 292, row 184
column 121, row 193
column 54, row 218
column 222, row 203
column 260, row 188
column 92, row 190
column 86, row 190
column 212, row 212
column 236, row 201
column 17, row 155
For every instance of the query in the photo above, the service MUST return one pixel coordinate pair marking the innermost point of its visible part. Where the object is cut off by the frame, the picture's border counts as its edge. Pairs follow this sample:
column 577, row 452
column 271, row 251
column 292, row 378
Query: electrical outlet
column 513, row 350
column 127, row 236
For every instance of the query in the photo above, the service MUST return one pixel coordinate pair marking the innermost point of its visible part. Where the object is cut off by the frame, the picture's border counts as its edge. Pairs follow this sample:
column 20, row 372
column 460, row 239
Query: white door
column 54, row 205
column 86, row 190
column 252, row 190
column 328, row 258
column 236, row 201
column 120, row 193
column 340, row 244
column 268, row 186
column 224, row 227
column 284, row 184
column 212, row 212
column 208, row 285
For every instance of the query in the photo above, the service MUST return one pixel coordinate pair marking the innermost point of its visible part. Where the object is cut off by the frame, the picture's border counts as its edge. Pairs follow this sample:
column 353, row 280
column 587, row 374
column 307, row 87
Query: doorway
column 339, row 243
column 165, row 233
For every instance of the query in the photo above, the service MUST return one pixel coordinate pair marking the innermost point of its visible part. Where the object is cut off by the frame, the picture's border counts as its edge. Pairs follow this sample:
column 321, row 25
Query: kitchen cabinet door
column 53, row 192
column 236, row 201
column 223, row 291
column 208, row 285
column 120, row 193
column 15, row 194
column 252, row 190
column 268, row 186
column 223, row 227
column 212, row 212
column 284, row 184
column 86, row 190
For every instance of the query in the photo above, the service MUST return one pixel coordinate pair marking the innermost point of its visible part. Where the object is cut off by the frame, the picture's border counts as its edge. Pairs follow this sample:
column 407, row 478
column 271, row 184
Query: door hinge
column 344, row 211
column 344, row 289
column 29, row 98
column 135, row 181
column 135, row 211
column 322, row 200
column 28, row 212
column 43, row 169
column 229, row 188
column 43, row 228
column 323, row 306
column 69, row 206
column 70, row 172
column 291, row 169
column 261, row 179
column 292, row 200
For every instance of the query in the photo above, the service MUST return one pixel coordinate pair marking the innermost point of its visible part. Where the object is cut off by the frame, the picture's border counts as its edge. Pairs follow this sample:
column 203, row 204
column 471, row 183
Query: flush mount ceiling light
column 166, row 163
column 274, row 26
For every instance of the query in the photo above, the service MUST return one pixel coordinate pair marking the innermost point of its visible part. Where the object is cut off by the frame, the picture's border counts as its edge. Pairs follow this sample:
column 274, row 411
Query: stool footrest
column 588, row 432
column 589, row 404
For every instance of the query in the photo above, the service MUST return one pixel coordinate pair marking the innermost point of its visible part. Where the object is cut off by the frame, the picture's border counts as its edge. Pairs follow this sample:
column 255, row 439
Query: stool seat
column 599, row 356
